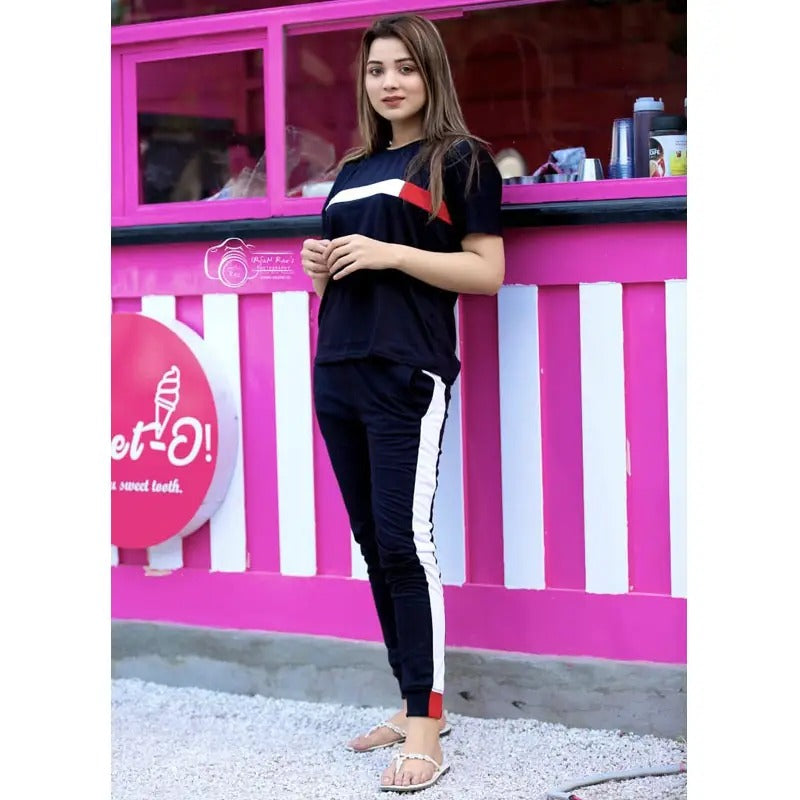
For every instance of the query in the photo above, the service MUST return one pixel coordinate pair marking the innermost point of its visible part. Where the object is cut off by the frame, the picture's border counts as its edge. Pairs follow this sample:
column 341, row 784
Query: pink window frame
column 267, row 30
column 164, row 213
column 117, row 151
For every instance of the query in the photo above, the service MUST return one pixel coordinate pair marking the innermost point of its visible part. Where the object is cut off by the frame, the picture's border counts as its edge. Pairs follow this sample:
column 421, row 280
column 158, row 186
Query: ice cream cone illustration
column 167, row 396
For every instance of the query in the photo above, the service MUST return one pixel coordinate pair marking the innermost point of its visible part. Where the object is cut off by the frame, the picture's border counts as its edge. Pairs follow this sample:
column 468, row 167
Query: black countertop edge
column 537, row 215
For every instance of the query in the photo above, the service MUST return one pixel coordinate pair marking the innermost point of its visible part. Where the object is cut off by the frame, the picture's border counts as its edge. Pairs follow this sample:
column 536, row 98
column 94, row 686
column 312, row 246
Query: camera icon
column 230, row 262
column 234, row 262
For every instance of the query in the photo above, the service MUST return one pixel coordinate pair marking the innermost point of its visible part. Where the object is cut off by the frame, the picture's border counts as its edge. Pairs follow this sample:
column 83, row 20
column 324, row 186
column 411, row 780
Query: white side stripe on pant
column 424, row 490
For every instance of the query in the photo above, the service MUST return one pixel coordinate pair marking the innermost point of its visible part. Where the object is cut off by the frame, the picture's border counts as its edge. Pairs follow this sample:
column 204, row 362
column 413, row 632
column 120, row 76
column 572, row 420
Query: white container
column 318, row 189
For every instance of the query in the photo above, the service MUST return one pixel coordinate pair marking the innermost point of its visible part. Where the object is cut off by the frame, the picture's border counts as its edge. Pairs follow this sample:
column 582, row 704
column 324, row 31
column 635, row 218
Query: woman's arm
column 478, row 269
column 320, row 282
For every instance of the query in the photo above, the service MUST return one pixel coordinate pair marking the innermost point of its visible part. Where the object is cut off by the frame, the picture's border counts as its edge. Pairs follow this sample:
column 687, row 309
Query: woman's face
column 393, row 81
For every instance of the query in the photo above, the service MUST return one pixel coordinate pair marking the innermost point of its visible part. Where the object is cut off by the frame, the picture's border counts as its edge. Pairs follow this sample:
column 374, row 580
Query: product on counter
column 590, row 169
column 667, row 146
column 510, row 164
column 644, row 109
column 561, row 166
column 620, row 165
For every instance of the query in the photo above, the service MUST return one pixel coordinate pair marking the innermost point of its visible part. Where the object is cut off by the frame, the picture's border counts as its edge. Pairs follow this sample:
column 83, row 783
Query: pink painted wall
column 646, row 623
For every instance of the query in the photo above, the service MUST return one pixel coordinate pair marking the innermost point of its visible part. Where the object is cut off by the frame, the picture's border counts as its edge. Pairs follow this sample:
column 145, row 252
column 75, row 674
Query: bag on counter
column 561, row 162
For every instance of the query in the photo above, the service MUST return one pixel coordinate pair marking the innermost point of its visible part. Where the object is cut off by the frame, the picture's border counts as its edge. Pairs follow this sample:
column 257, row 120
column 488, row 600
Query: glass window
column 535, row 78
column 320, row 107
column 129, row 12
column 201, row 127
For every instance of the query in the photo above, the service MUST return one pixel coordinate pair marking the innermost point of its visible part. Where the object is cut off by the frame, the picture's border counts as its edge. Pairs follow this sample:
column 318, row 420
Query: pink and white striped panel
column 283, row 513
column 592, row 426
column 563, row 463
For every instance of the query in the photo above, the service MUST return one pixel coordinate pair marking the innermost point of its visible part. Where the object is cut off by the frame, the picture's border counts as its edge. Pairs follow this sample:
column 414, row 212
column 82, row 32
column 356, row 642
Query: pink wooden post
column 481, row 436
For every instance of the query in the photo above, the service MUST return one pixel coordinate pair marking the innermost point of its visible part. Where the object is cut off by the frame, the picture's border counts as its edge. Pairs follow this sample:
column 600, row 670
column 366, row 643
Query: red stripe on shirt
column 418, row 196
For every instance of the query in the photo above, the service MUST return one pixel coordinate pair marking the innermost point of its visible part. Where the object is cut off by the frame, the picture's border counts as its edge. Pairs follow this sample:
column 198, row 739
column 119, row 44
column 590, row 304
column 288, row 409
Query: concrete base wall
column 577, row 692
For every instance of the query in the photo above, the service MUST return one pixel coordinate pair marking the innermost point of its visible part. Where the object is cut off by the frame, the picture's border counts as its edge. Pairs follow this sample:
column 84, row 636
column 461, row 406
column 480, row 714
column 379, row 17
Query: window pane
column 201, row 128
column 320, row 106
column 128, row 12
column 555, row 75
column 536, row 78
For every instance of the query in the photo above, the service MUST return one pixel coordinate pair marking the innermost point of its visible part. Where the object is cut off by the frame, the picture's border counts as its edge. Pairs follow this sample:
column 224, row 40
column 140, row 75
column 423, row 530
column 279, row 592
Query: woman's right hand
column 312, row 256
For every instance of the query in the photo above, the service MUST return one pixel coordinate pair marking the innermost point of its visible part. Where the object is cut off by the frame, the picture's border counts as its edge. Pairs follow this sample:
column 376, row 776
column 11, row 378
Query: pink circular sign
column 174, row 431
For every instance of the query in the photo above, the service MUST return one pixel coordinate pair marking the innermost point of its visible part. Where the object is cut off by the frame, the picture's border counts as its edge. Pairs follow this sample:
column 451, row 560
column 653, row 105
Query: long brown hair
column 443, row 122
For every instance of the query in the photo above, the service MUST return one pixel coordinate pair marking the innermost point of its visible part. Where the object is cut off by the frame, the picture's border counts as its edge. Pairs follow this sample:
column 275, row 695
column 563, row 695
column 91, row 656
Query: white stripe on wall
column 520, row 437
column 169, row 554
column 605, row 515
column 448, row 505
column 358, row 566
column 424, row 488
column 293, row 427
column 675, row 298
column 228, row 535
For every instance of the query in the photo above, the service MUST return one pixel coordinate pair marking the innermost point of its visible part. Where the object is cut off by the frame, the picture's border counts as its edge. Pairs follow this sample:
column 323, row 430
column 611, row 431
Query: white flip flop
column 398, row 730
column 441, row 769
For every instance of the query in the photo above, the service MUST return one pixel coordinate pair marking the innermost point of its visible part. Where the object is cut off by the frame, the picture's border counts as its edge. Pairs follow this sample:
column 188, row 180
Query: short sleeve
column 477, row 209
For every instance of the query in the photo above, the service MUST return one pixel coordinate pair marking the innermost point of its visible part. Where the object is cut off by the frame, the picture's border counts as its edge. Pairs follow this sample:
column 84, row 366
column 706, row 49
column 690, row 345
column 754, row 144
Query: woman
column 413, row 218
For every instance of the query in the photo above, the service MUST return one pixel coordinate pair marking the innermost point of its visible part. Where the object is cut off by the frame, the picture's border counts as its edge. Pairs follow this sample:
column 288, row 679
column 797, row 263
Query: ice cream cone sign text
column 174, row 434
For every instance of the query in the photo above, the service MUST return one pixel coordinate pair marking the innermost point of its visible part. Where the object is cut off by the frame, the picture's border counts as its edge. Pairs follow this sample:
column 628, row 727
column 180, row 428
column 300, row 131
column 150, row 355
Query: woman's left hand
column 350, row 253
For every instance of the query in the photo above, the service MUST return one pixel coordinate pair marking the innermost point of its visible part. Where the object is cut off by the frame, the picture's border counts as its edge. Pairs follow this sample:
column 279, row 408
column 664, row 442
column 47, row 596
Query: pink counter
column 560, row 515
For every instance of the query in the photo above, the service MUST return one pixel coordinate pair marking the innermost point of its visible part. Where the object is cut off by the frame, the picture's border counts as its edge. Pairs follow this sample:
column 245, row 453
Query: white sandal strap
column 391, row 726
column 400, row 757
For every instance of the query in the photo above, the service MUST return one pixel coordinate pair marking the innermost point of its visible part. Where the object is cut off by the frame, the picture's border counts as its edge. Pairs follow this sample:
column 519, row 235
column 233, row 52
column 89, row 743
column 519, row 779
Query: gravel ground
column 670, row 787
column 192, row 744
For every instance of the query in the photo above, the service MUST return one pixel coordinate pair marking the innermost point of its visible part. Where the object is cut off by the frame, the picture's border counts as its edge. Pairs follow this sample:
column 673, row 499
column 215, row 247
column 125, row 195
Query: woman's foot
column 383, row 736
column 423, row 737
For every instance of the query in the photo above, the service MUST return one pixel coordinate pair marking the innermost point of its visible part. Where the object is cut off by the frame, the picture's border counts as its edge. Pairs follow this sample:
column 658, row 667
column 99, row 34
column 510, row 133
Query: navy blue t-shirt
column 387, row 313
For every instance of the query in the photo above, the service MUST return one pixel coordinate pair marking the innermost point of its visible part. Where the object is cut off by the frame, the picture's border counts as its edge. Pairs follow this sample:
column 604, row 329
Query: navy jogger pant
column 382, row 423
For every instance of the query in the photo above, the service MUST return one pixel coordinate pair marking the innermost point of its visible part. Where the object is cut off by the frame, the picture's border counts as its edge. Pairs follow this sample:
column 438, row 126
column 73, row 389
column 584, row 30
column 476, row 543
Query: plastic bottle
column 644, row 109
